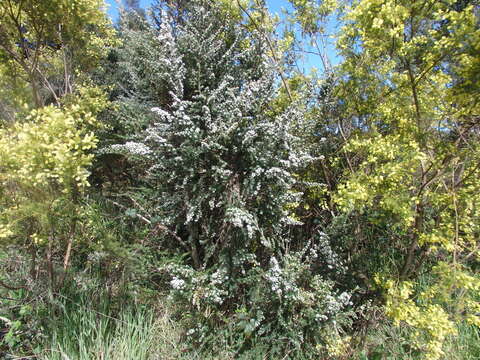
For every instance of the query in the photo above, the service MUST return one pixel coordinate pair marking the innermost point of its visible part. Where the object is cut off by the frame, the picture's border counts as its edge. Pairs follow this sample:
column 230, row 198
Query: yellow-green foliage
column 233, row 9
column 46, row 45
column 79, row 24
column 44, row 162
column 419, row 168
column 310, row 13
column 435, row 312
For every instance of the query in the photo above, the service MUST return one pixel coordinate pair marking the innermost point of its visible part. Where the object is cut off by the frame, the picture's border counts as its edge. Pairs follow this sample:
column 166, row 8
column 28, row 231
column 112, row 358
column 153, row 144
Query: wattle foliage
column 418, row 140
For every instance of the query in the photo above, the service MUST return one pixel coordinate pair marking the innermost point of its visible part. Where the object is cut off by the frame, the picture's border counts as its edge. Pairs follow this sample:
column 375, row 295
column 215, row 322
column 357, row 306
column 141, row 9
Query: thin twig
column 272, row 49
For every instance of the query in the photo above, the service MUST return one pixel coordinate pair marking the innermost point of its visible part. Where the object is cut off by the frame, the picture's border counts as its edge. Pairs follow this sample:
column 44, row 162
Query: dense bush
column 183, row 190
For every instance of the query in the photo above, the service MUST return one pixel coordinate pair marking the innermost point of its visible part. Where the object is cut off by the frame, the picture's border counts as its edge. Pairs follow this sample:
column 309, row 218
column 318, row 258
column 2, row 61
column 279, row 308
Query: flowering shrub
column 287, row 307
column 220, row 163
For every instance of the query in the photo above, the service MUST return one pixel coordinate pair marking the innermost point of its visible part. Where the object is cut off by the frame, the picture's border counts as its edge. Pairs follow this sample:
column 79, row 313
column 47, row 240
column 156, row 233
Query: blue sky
column 275, row 6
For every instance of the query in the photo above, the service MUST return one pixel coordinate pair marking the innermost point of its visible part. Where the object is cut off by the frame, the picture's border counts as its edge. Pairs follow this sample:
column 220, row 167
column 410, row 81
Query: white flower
column 130, row 147
column 177, row 284
column 160, row 112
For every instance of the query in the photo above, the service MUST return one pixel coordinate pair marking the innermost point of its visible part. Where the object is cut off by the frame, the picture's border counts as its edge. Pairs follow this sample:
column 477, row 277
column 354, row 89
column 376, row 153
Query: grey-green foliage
column 222, row 164
column 221, row 169
column 287, row 310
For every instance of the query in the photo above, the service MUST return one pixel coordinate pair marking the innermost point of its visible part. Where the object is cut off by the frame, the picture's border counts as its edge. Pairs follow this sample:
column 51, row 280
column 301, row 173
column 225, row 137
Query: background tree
column 45, row 44
column 418, row 142
column 46, row 142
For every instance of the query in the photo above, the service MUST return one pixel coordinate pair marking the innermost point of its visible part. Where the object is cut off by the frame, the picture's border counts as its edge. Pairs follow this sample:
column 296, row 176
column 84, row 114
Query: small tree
column 45, row 146
column 222, row 166
column 44, row 164
column 407, row 85
column 222, row 157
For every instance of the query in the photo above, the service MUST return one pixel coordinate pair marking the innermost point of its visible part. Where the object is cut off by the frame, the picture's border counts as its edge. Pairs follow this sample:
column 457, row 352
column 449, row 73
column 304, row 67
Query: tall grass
column 465, row 346
column 83, row 330
column 92, row 325
column 80, row 328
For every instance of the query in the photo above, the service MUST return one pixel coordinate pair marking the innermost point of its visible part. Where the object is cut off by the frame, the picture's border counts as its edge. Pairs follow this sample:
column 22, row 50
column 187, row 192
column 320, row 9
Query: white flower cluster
column 335, row 304
column 274, row 276
column 129, row 148
column 318, row 300
column 325, row 253
column 160, row 112
column 240, row 218
column 214, row 287
column 198, row 288
column 177, row 284
column 245, row 259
